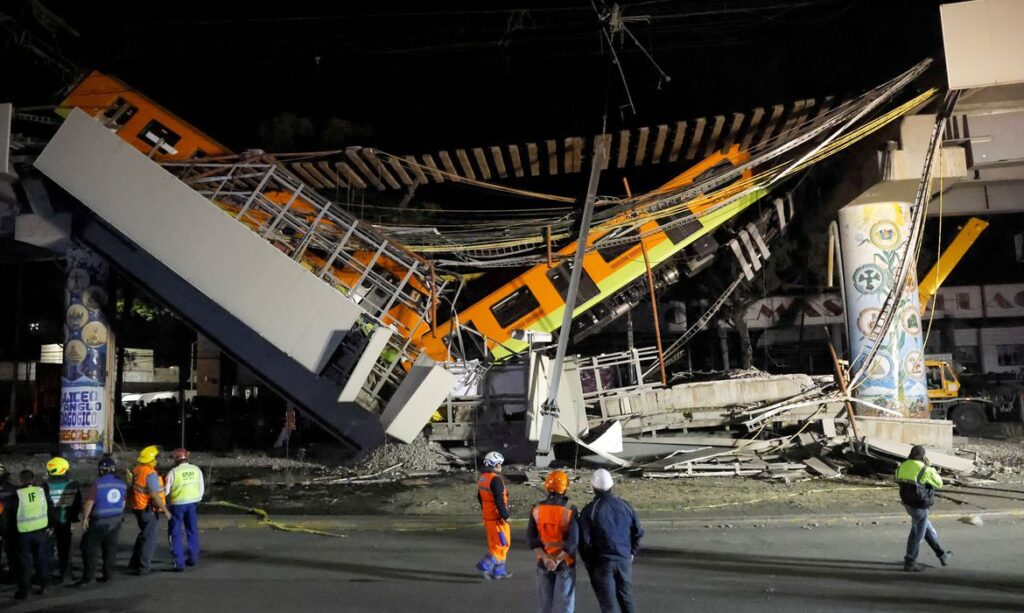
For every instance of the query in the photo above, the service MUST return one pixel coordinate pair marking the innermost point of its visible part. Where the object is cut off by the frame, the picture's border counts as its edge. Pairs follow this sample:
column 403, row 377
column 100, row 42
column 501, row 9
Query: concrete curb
column 428, row 523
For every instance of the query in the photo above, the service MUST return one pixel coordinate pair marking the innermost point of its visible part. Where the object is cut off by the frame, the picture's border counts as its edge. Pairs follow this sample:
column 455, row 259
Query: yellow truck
column 972, row 402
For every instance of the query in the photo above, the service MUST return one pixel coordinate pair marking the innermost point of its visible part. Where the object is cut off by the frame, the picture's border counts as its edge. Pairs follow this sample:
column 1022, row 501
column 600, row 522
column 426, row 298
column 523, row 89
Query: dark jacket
column 572, row 538
column 609, row 529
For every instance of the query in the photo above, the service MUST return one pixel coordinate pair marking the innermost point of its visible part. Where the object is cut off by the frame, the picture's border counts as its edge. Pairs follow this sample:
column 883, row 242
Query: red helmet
column 180, row 454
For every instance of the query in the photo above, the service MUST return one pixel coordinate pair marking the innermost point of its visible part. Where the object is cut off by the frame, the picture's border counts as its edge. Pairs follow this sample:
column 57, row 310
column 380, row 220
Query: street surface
column 789, row 565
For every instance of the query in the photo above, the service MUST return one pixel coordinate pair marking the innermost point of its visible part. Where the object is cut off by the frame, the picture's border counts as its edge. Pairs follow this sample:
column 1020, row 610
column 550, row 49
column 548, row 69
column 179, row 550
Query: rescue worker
column 184, row 489
column 147, row 500
column 66, row 497
column 610, row 535
column 493, row 498
column 553, row 534
column 103, row 511
column 33, row 519
column 8, row 527
column 918, row 482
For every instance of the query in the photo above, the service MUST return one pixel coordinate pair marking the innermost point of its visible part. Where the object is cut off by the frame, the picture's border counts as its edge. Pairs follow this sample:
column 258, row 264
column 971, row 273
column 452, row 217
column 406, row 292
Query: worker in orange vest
column 147, row 499
column 554, row 535
column 493, row 499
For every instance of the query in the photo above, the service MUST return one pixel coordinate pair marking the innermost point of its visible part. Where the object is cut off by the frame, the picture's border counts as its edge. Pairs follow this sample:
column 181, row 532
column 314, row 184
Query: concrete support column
column 874, row 235
column 86, row 409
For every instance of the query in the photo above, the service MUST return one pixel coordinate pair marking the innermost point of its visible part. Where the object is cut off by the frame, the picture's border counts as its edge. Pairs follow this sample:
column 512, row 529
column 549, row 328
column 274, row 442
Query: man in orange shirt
column 553, row 534
column 147, row 499
column 493, row 499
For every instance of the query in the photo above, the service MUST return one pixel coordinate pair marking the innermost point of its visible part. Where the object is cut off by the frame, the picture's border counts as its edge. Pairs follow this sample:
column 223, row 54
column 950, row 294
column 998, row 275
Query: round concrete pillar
column 873, row 237
column 86, row 408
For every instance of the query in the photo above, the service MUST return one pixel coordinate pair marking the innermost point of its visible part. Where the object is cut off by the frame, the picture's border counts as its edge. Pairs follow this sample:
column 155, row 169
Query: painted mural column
column 874, row 236
column 86, row 408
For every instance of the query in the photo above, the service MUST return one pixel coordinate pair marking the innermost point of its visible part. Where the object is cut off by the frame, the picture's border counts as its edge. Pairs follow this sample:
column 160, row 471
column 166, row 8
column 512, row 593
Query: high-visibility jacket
column 186, row 484
column 910, row 469
column 487, row 503
column 63, row 494
column 32, row 510
column 141, row 499
column 552, row 526
column 111, row 494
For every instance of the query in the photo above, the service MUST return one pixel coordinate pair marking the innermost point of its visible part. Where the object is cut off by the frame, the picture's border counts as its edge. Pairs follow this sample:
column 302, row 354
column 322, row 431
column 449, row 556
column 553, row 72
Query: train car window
column 119, row 113
column 678, row 232
column 156, row 132
column 472, row 342
column 710, row 172
column 559, row 277
column 610, row 254
column 515, row 306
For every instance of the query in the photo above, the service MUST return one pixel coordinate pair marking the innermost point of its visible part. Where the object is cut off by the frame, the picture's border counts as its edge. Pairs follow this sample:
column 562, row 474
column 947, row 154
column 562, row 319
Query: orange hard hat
column 557, row 481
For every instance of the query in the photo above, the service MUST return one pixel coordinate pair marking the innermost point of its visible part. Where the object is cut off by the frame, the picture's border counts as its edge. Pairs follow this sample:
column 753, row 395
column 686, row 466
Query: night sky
column 470, row 73
column 413, row 79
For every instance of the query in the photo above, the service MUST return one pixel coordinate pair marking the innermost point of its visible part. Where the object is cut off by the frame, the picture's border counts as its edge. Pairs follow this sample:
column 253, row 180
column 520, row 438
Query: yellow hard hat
column 148, row 454
column 57, row 466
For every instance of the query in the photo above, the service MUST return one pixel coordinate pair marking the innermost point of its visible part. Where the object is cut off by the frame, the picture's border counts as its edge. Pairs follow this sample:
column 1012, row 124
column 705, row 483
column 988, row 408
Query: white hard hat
column 602, row 480
column 493, row 459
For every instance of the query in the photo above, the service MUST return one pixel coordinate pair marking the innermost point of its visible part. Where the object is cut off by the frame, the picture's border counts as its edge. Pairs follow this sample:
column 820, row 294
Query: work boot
column 485, row 564
column 911, row 566
column 944, row 558
column 499, row 572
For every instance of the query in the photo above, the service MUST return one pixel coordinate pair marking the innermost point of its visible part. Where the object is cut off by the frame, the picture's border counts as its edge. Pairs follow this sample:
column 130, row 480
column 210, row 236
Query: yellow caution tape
column 264, row 518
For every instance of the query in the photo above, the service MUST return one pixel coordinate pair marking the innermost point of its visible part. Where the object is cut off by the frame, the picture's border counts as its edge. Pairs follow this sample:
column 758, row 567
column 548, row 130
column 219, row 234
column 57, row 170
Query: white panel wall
column 983, row 42
column 414, row 402
column 238, row 270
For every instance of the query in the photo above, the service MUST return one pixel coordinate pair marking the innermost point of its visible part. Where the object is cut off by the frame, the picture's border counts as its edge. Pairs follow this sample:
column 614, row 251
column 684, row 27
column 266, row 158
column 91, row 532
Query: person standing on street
column 103, row 511
column 493, row 498
column 918, row 482
column 66, row 497
column 184, row 489
column 8, row 525
column 147, row 500
column 610, row 535
column 553, row 534
column 33, row 520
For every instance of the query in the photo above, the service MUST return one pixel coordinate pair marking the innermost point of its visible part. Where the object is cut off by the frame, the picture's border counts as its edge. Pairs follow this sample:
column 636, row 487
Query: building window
column 968, row 357
column 1010, row 355
column 514, row 307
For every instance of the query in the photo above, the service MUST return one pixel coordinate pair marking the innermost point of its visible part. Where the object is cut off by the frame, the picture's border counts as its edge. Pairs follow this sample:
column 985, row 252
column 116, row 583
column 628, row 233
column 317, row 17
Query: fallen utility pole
column 841, row 382
column 549, row 410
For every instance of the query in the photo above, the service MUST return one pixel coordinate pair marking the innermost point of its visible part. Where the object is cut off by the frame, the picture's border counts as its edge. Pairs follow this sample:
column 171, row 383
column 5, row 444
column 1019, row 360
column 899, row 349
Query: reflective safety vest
column 32, row 511
column 111, row 494
column 62, row 495
column 185, row 484
column 552, row 524
column 489, row 508
column 140, row 494
column 62, row 492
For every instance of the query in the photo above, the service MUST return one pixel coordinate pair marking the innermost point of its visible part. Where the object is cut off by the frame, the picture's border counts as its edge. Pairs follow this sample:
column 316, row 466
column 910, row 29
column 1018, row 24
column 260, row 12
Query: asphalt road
column 779, row 567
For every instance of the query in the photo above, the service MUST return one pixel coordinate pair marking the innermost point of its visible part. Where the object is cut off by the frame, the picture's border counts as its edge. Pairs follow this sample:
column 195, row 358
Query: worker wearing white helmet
column 610, row 535
column 493, row 498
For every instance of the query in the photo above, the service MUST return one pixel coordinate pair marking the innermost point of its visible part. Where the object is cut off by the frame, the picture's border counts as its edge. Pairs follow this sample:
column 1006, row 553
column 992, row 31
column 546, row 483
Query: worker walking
column 918, row 482
column 184, row 489
column 553, row 534
column 66, row 497
column 610, row 534
column 33, row 519
column 493, row 498
column 103, row 511
column 147, row 501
